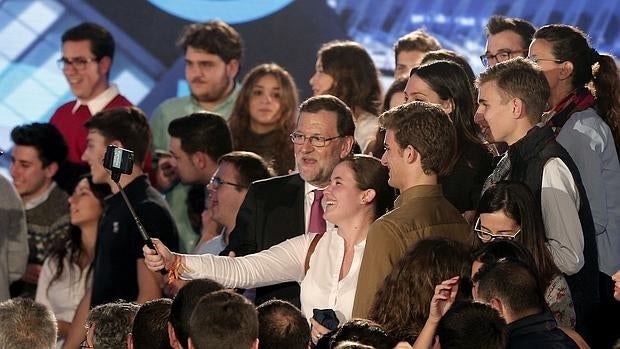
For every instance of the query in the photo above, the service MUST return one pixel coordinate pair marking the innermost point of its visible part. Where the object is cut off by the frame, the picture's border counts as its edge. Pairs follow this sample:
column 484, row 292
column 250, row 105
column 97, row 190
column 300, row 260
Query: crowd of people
column 451, row 211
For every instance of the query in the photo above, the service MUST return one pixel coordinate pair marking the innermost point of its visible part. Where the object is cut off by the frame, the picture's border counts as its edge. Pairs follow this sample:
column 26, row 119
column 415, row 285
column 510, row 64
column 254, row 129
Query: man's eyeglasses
column 535, row 59
column 500, row 56
column 216, row 182
column 77, row 63
column 486, row 236
column 316, row 141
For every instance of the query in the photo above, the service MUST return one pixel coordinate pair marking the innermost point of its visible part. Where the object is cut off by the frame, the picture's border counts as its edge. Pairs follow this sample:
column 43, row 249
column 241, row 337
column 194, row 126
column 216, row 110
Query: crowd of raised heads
column 448, row 211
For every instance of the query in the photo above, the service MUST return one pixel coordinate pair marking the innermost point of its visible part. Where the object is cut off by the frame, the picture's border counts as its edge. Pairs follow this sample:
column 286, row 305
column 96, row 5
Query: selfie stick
column 116, row 176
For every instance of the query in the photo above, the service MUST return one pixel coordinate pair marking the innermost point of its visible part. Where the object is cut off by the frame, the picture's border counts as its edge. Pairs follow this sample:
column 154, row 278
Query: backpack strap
column 311, row 248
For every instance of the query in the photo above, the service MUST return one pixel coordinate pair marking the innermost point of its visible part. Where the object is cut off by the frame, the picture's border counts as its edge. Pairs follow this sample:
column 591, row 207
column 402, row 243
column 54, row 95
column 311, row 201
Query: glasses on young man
column 316, row 141
column 79, row 63
column 487, row 236
column 501, row 55
column 217, row 182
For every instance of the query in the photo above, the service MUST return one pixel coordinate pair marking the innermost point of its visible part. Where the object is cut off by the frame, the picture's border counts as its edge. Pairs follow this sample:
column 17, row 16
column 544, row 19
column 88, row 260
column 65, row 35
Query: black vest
column 528, row 157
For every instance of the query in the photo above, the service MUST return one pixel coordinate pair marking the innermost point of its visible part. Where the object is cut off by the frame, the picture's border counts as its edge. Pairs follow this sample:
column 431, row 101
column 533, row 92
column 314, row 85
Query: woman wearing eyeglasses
column 585, row 115
column 264, row 115
column 508, row 211
column 326, row 266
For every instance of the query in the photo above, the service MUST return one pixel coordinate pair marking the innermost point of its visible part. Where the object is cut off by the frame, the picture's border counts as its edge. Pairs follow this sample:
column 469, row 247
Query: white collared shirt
column 97, row 104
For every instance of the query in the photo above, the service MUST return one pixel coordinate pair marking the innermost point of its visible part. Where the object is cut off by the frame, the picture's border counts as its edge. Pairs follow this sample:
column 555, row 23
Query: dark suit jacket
column 273, row 211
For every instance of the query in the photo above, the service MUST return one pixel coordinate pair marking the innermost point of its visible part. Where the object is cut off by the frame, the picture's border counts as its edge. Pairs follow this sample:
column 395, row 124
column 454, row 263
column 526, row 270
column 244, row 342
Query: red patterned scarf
column 578, row 100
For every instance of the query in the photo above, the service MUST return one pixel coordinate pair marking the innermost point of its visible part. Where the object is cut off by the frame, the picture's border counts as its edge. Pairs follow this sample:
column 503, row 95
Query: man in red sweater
column 87, row 53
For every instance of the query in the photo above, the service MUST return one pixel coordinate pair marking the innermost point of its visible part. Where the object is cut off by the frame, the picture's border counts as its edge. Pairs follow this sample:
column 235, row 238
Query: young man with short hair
column 39, row 152
column 512, row 97
column 119, row 269
column 223, row 320
column 213, row 52
column 506, row 38
column 419, row 148
column 410, row 49
column 87, row 55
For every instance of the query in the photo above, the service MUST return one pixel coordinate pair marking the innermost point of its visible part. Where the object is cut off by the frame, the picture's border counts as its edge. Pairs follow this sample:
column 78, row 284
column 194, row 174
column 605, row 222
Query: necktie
column 317, row 222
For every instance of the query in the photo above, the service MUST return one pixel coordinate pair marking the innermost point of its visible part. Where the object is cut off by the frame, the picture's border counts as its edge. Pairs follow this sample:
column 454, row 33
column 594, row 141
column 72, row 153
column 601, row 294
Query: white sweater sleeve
column 283, row 262
column 560, row 211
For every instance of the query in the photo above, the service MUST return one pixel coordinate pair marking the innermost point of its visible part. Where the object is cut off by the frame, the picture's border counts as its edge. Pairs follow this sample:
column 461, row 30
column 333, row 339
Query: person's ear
column 368, row 196
column 232, row 68
column 129, row 341
column 198, row 159
column 410, row 154
column 566, row 70
column 50, row 170
column 105, row 64
column 190, row 345
column 255, row 344
column 172, row 337
column 497, row 305
column 518, row 108
column 347, row 146
column 448, row 106
column 436, row 343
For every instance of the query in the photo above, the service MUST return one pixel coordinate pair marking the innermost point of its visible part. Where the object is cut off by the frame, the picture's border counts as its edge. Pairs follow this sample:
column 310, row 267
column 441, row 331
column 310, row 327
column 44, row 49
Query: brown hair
column 417, row 40
column 520, row 78
column 427, row 128
column 239, row 121
column 215, row 37
column 401, row 304
column 356, row 81
column 369, row 173
column 523, row 28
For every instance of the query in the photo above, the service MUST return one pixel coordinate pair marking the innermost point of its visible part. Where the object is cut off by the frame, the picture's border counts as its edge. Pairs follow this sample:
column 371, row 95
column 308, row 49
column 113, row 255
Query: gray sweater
column 13, row 237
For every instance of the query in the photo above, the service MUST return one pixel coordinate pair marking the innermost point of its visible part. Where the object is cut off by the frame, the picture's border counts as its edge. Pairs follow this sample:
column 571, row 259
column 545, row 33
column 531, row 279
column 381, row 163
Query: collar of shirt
column 41, row 198
column 97, row 104
column 418, row 191
column 223, row 108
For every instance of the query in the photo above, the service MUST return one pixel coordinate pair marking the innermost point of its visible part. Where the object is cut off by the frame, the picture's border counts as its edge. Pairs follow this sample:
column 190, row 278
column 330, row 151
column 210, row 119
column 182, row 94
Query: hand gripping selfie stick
column 120, row 161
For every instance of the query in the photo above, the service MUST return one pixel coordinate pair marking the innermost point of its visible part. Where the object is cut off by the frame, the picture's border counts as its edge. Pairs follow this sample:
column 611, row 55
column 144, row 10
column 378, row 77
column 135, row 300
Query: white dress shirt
column 560, row 210
column 284, row 262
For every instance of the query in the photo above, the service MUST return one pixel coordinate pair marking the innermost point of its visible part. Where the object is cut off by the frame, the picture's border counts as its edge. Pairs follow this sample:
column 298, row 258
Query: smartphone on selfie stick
column 120, row 161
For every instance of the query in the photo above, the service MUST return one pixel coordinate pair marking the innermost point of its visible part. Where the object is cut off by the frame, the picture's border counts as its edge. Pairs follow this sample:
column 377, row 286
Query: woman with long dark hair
column 67, row 272
column 264, row 115
column 445, row 83
column 344, row 69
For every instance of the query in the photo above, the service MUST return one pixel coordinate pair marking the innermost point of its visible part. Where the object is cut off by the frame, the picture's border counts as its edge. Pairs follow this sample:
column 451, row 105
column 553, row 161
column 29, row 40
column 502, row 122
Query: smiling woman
column 66, row 273
column 357, row 194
